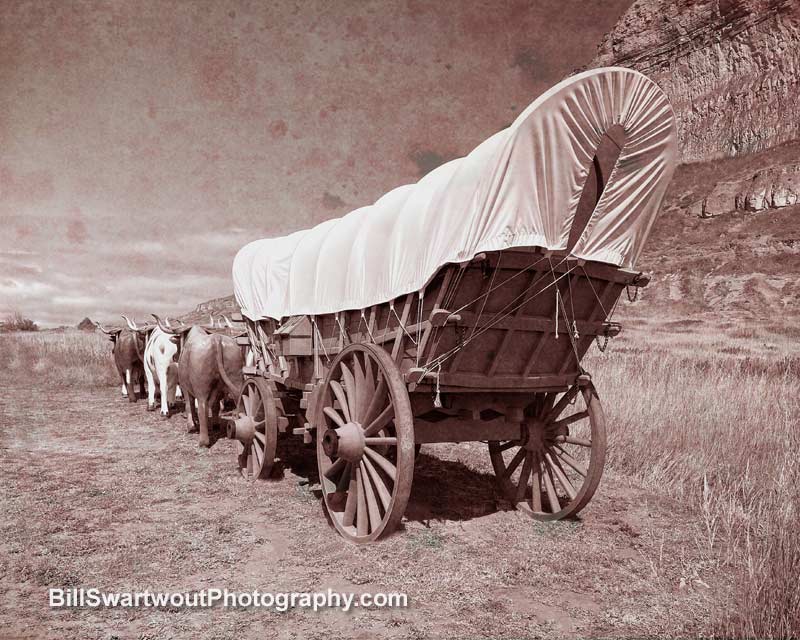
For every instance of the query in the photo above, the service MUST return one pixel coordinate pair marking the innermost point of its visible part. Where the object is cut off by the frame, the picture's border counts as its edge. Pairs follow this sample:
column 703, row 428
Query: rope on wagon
column 342, row 332
column 420, row 304
column 439, row 360
column 318, row 336
column 486, row 298
column 604, row 345
column 388, row 318
column 589, row 280
column 264, row 340
column 504, row 282
column 571, row 336
column 366, row 324
column 447, row 300
column 399, row 322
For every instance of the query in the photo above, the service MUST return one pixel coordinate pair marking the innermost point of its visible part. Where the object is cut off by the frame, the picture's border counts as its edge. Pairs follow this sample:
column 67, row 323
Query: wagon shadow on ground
column 442, row 489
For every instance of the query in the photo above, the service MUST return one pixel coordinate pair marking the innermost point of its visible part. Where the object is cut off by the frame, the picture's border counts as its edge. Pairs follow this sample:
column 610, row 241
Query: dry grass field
column 692, row 532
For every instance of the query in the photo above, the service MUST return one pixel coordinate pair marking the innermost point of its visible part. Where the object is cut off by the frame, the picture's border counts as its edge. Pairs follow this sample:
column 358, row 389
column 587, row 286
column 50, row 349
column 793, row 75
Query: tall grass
column 711, row 425
column 720, row 433
column 70, row 358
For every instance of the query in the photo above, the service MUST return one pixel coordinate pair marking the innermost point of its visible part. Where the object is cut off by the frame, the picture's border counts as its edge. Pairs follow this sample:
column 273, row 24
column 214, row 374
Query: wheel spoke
column 333, row 415
column 376, row 402
column 561, row 476
column 552, row 498
column 335, row 468
column 246, row 400
column 350, row 504
column 536, row 491
column 507, row 445
column 568, row 420
column 561, row 404
column 383, row 463
column 523, row 477
column 380, row 422
column 377, row 481
column 515, row 461
column 340, row 396
column 581, row 442
column 372, row 501
column 261, row 438
column 344, row 479
column 361, row 396
column 259, row 456
column 379, row 441
column 572, row 462
column 362, row 526
column 350, row 390
column 369, row 384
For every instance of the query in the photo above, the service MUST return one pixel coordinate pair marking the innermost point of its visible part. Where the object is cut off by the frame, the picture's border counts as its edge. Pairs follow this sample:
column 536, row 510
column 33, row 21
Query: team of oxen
column 200, row 364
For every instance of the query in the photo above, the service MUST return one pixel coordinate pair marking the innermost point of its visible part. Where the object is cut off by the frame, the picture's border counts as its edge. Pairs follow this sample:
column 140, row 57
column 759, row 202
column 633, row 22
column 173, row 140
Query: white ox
column 160, row 368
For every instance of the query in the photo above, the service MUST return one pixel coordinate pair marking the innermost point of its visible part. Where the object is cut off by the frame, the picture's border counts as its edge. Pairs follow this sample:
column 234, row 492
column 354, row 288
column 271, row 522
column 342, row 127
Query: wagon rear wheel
column 553, row 471
column 365, row 443
column 255, row 429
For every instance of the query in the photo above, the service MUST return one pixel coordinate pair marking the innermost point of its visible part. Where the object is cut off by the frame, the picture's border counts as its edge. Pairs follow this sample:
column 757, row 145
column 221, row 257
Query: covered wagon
column 459, row 309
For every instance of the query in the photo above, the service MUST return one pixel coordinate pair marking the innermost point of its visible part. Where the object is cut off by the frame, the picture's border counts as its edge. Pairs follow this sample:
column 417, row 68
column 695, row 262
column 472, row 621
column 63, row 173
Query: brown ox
column 128, row 347
column 209, row 369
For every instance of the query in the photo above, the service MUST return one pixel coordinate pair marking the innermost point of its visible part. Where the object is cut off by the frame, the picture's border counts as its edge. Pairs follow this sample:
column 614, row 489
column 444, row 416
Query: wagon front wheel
column 553, row 470
column 365, row 443
column 255, row 429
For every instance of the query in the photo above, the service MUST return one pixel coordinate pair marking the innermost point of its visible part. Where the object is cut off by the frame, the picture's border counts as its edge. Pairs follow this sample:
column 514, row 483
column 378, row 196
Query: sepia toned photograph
column 399, row 319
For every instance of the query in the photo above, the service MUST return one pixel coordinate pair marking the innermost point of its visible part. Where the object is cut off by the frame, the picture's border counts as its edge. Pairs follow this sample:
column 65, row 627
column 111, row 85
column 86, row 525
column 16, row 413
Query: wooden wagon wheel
column 365, row 443
column 553, row 471
column 255, row 429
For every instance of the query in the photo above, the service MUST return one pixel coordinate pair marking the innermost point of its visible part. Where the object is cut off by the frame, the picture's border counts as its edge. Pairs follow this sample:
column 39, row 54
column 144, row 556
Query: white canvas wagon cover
column 521, row 187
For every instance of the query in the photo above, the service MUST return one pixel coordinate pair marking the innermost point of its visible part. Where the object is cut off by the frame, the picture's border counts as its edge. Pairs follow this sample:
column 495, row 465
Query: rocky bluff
column 730, row 67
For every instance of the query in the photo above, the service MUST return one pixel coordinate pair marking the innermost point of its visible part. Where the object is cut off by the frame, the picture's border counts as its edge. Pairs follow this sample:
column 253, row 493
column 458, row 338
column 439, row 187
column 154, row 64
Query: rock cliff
column 730, row 67
column 771, row 188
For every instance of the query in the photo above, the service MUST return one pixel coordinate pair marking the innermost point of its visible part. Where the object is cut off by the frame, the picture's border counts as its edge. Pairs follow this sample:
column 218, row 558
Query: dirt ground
column 97, row 492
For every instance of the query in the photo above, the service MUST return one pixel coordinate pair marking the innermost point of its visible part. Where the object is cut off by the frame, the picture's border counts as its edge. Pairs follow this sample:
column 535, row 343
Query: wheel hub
column 345, row 442
column 534, row 436
column 242, row 429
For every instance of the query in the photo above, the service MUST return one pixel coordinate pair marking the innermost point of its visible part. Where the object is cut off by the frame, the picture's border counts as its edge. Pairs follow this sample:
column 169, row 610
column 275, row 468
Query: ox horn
column 131, row 324
column 228, row 321
column 161, row 325
column 106, row 331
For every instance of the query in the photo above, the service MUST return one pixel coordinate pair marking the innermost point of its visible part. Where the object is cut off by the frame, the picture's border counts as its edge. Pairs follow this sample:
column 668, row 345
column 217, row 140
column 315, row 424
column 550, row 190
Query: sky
column 143, row 143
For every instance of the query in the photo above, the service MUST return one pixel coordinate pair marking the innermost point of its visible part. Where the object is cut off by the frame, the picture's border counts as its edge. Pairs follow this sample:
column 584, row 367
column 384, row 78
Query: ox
column 128, row 348
column 160, row 367
column 209, row 369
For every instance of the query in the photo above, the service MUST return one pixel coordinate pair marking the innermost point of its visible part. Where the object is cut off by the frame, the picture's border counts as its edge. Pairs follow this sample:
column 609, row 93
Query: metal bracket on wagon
column 441, row 317
column 641, row 280
column 611, row 329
